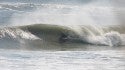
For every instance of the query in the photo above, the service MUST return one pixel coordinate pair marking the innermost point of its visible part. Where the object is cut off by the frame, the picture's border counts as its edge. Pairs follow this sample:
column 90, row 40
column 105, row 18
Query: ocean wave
column 42, row 35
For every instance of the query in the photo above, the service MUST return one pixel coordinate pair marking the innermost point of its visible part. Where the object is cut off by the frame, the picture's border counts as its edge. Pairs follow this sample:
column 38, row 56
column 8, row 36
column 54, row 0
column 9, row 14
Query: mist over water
column 59, row 12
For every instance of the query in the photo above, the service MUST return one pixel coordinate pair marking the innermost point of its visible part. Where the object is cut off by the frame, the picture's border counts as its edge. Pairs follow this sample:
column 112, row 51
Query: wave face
column 44, row 35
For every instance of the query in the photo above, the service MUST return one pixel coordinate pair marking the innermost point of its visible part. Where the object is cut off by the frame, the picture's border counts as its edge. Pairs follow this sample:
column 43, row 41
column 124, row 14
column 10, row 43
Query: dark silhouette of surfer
column 63, row 38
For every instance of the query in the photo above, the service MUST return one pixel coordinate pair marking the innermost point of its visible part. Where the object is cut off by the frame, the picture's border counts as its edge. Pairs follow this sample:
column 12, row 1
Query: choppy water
column 60, row 60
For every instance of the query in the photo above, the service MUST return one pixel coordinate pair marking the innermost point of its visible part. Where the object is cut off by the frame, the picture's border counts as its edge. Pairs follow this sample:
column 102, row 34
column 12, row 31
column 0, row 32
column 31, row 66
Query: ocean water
column 62, row 35
column 60, row 60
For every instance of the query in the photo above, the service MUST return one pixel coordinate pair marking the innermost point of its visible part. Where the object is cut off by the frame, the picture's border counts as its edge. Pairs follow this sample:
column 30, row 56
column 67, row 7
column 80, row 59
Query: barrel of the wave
column 49, row 33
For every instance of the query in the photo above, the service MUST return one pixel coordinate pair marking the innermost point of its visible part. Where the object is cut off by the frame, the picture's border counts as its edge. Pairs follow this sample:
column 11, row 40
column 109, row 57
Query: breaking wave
column 43, row 34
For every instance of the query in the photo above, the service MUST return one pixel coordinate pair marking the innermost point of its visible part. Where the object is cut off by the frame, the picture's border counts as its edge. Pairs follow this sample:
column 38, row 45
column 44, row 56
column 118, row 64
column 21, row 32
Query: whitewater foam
column 110, row 39
column 16, row 34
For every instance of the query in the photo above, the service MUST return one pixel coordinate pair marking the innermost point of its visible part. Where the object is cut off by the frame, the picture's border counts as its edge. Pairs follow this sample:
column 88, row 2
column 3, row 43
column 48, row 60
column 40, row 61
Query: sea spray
column 110, row 39
column 113, row 38
column 99, row 35
column 61, row 14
